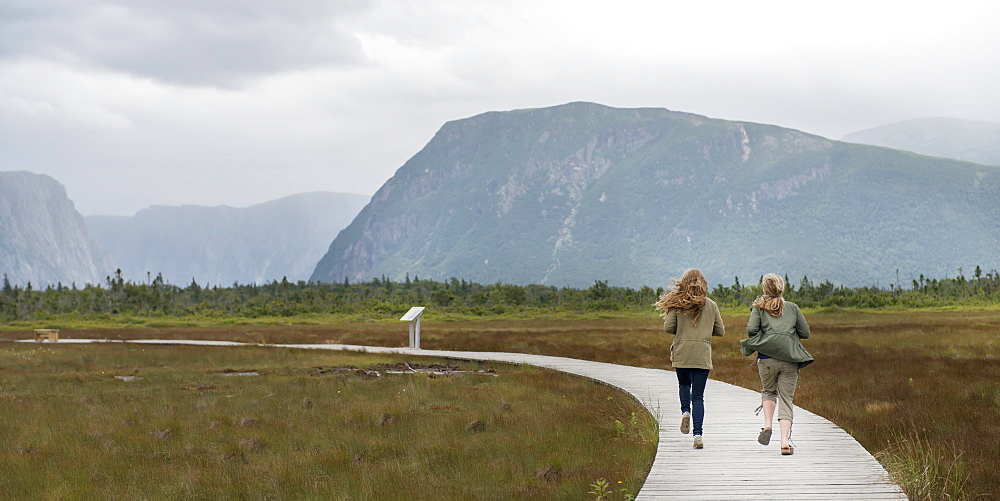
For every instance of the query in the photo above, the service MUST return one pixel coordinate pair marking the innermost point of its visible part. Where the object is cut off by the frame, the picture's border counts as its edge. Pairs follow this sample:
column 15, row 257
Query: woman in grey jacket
column 774, row 331
column 693, row 319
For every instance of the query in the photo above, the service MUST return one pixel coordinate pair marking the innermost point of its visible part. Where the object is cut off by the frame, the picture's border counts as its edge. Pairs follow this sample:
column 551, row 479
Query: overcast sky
column 132, row 103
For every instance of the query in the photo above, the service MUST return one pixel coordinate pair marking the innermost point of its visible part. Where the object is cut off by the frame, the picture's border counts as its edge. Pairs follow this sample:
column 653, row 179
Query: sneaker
column 698, row 444
column 765, row 436
column 685, row 423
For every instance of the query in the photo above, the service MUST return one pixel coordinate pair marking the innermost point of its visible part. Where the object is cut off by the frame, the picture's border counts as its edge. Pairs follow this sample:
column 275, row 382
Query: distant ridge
column 43, row 239
column 967, row 140
column 581, row 192
column 222, row 245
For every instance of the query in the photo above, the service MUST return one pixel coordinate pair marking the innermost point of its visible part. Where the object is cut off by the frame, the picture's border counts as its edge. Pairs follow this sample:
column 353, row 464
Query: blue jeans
column 692, row 391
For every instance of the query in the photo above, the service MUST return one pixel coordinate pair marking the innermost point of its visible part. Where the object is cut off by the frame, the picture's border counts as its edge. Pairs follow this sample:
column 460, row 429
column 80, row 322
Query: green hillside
column 967, row 140
column 583, row 192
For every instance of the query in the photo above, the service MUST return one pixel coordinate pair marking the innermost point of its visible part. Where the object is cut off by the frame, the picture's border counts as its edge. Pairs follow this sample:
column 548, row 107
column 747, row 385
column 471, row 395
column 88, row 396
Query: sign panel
column 413, row 313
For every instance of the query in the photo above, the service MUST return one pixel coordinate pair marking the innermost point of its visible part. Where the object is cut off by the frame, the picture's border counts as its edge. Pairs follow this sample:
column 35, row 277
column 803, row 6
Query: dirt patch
column 377, row 371
column 249, row 422
column 549, row 474
column 443, row 408
column 386, row 420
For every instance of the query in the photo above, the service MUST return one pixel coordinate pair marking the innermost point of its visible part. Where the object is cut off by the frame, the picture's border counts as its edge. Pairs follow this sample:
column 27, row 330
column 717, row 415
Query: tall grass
column 310, row 425
column 926, row 470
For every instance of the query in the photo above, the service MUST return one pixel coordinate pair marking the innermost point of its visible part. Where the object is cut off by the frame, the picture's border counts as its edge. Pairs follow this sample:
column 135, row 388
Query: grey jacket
column 778, row 337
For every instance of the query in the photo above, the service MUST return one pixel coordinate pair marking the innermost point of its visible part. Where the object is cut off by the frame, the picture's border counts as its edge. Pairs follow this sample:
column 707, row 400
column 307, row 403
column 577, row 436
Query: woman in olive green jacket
column 693, row 319
column 775, row 332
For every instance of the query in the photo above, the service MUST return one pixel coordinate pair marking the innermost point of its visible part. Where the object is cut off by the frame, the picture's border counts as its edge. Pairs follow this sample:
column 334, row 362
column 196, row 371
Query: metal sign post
column 413, row 316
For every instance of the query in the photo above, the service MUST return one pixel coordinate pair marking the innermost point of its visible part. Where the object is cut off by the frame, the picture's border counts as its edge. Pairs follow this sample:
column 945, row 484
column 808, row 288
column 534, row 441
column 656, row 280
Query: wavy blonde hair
column 771, row 301
column 686, row 294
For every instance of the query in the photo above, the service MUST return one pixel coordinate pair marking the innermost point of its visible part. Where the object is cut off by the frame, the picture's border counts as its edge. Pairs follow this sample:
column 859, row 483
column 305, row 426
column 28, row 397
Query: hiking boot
column 685, row 423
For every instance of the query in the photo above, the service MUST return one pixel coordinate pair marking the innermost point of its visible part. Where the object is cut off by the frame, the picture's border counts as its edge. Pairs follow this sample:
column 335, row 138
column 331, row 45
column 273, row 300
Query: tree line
column 384, row 298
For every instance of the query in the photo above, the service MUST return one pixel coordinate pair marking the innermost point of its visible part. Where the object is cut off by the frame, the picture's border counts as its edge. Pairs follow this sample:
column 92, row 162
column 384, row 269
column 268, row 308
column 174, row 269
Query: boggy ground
column 129, row 421
column 920, row 389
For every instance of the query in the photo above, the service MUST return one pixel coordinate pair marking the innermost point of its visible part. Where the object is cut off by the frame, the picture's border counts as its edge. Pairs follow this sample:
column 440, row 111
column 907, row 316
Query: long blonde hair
column 771, row 301
column 686, row 294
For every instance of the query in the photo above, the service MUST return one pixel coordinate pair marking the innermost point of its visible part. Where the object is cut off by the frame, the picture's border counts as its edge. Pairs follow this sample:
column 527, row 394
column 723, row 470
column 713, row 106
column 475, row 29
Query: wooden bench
column 47, row 334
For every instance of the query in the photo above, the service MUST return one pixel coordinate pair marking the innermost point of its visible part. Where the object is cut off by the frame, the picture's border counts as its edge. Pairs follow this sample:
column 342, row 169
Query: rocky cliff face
column 582, row 192
column 43, row 239
column 221, row 245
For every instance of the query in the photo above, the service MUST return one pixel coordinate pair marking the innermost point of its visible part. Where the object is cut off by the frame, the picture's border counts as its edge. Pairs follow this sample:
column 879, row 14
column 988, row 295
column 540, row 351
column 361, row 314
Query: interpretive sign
column 413, row 316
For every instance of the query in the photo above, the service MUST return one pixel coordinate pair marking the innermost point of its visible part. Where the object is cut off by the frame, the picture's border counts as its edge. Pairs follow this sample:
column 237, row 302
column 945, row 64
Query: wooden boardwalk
column 828, row 463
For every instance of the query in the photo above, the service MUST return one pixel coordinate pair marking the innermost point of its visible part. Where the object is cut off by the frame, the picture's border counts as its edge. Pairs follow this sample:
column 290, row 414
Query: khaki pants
column 777, row 380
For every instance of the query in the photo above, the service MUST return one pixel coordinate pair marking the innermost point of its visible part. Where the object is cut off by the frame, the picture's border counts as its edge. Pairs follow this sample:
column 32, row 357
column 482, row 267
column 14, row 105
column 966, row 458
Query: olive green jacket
column 692, row 346
column 778, row 337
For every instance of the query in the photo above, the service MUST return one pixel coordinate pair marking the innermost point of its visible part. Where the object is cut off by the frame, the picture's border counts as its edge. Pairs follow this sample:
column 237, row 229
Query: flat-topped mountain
column 582, row 192
column 43, row 239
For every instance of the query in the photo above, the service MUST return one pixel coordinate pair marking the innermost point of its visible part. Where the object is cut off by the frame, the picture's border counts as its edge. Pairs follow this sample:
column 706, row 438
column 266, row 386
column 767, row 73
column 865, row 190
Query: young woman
column 693, row 319
column 775, row 332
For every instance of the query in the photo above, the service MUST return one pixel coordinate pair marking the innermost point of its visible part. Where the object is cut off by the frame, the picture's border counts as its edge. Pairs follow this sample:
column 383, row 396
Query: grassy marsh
column 126, row 421
column 920, row 389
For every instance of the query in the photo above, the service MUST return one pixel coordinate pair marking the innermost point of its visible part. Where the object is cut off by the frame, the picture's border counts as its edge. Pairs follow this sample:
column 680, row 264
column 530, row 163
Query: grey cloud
column 216, row 43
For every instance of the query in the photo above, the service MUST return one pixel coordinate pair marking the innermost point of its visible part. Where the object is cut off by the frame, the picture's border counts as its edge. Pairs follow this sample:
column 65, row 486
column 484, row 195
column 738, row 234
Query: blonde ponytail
column 771, row 301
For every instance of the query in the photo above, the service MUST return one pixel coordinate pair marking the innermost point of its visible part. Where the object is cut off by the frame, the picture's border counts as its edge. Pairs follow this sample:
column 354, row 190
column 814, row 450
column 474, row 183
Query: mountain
column 222, row 245
column 43, row 239
column 977, row 142
column 582, row 192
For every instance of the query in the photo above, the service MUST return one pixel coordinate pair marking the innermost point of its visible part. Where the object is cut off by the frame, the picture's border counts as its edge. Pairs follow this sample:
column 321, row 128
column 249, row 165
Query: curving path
column 828, row 463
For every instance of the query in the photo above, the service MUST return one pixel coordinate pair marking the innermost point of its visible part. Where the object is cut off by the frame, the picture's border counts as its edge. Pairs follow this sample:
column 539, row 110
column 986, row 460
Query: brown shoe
column 787, row 450
column 765, row 436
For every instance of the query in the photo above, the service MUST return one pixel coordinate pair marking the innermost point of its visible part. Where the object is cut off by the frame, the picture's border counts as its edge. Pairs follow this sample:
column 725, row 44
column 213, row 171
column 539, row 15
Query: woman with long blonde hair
column 775, row 332
column 693, row 318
